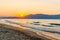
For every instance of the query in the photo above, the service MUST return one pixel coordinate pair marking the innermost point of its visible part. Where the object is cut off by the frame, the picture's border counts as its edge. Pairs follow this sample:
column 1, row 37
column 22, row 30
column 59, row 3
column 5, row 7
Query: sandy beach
column 9, row 31
column 9, row 34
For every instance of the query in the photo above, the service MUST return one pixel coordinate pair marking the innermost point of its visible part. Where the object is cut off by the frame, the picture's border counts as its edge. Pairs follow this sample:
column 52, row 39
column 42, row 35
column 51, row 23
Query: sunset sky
column 25, row 7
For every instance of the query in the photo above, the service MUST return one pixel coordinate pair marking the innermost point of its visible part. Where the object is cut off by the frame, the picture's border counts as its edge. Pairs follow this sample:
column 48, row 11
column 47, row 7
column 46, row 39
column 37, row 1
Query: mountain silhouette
column 33, row 16
column 42, row 16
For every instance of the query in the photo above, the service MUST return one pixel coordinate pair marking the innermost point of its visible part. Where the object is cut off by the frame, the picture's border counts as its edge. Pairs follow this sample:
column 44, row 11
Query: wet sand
column 9, row 34
column 14, row 32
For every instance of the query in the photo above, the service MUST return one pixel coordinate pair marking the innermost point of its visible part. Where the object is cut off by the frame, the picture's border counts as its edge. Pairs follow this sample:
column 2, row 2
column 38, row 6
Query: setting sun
column 22, row 13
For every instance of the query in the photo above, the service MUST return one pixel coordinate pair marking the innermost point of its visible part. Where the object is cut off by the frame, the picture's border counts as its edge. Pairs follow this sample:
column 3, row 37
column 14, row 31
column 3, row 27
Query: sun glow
column 22, row 14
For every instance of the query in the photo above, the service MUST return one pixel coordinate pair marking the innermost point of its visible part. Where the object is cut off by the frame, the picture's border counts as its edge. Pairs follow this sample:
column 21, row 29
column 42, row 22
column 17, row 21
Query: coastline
column 30, row 33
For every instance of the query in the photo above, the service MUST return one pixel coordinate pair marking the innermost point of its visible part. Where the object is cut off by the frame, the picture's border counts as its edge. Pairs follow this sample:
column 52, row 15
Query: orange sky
column 25, row 7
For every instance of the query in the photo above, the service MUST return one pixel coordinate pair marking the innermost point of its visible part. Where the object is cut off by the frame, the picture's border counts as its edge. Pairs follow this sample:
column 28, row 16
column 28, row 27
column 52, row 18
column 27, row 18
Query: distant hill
column 42, row 16
column 33, row 16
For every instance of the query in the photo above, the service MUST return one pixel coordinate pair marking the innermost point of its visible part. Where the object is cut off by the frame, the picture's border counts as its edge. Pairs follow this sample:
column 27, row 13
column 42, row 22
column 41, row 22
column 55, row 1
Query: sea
column 37, row 20
column 39, row 24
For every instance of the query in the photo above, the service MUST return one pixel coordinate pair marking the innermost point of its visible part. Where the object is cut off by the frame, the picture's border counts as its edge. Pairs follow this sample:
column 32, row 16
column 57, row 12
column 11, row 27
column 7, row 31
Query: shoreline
column 10, row 34
column 34, row 34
